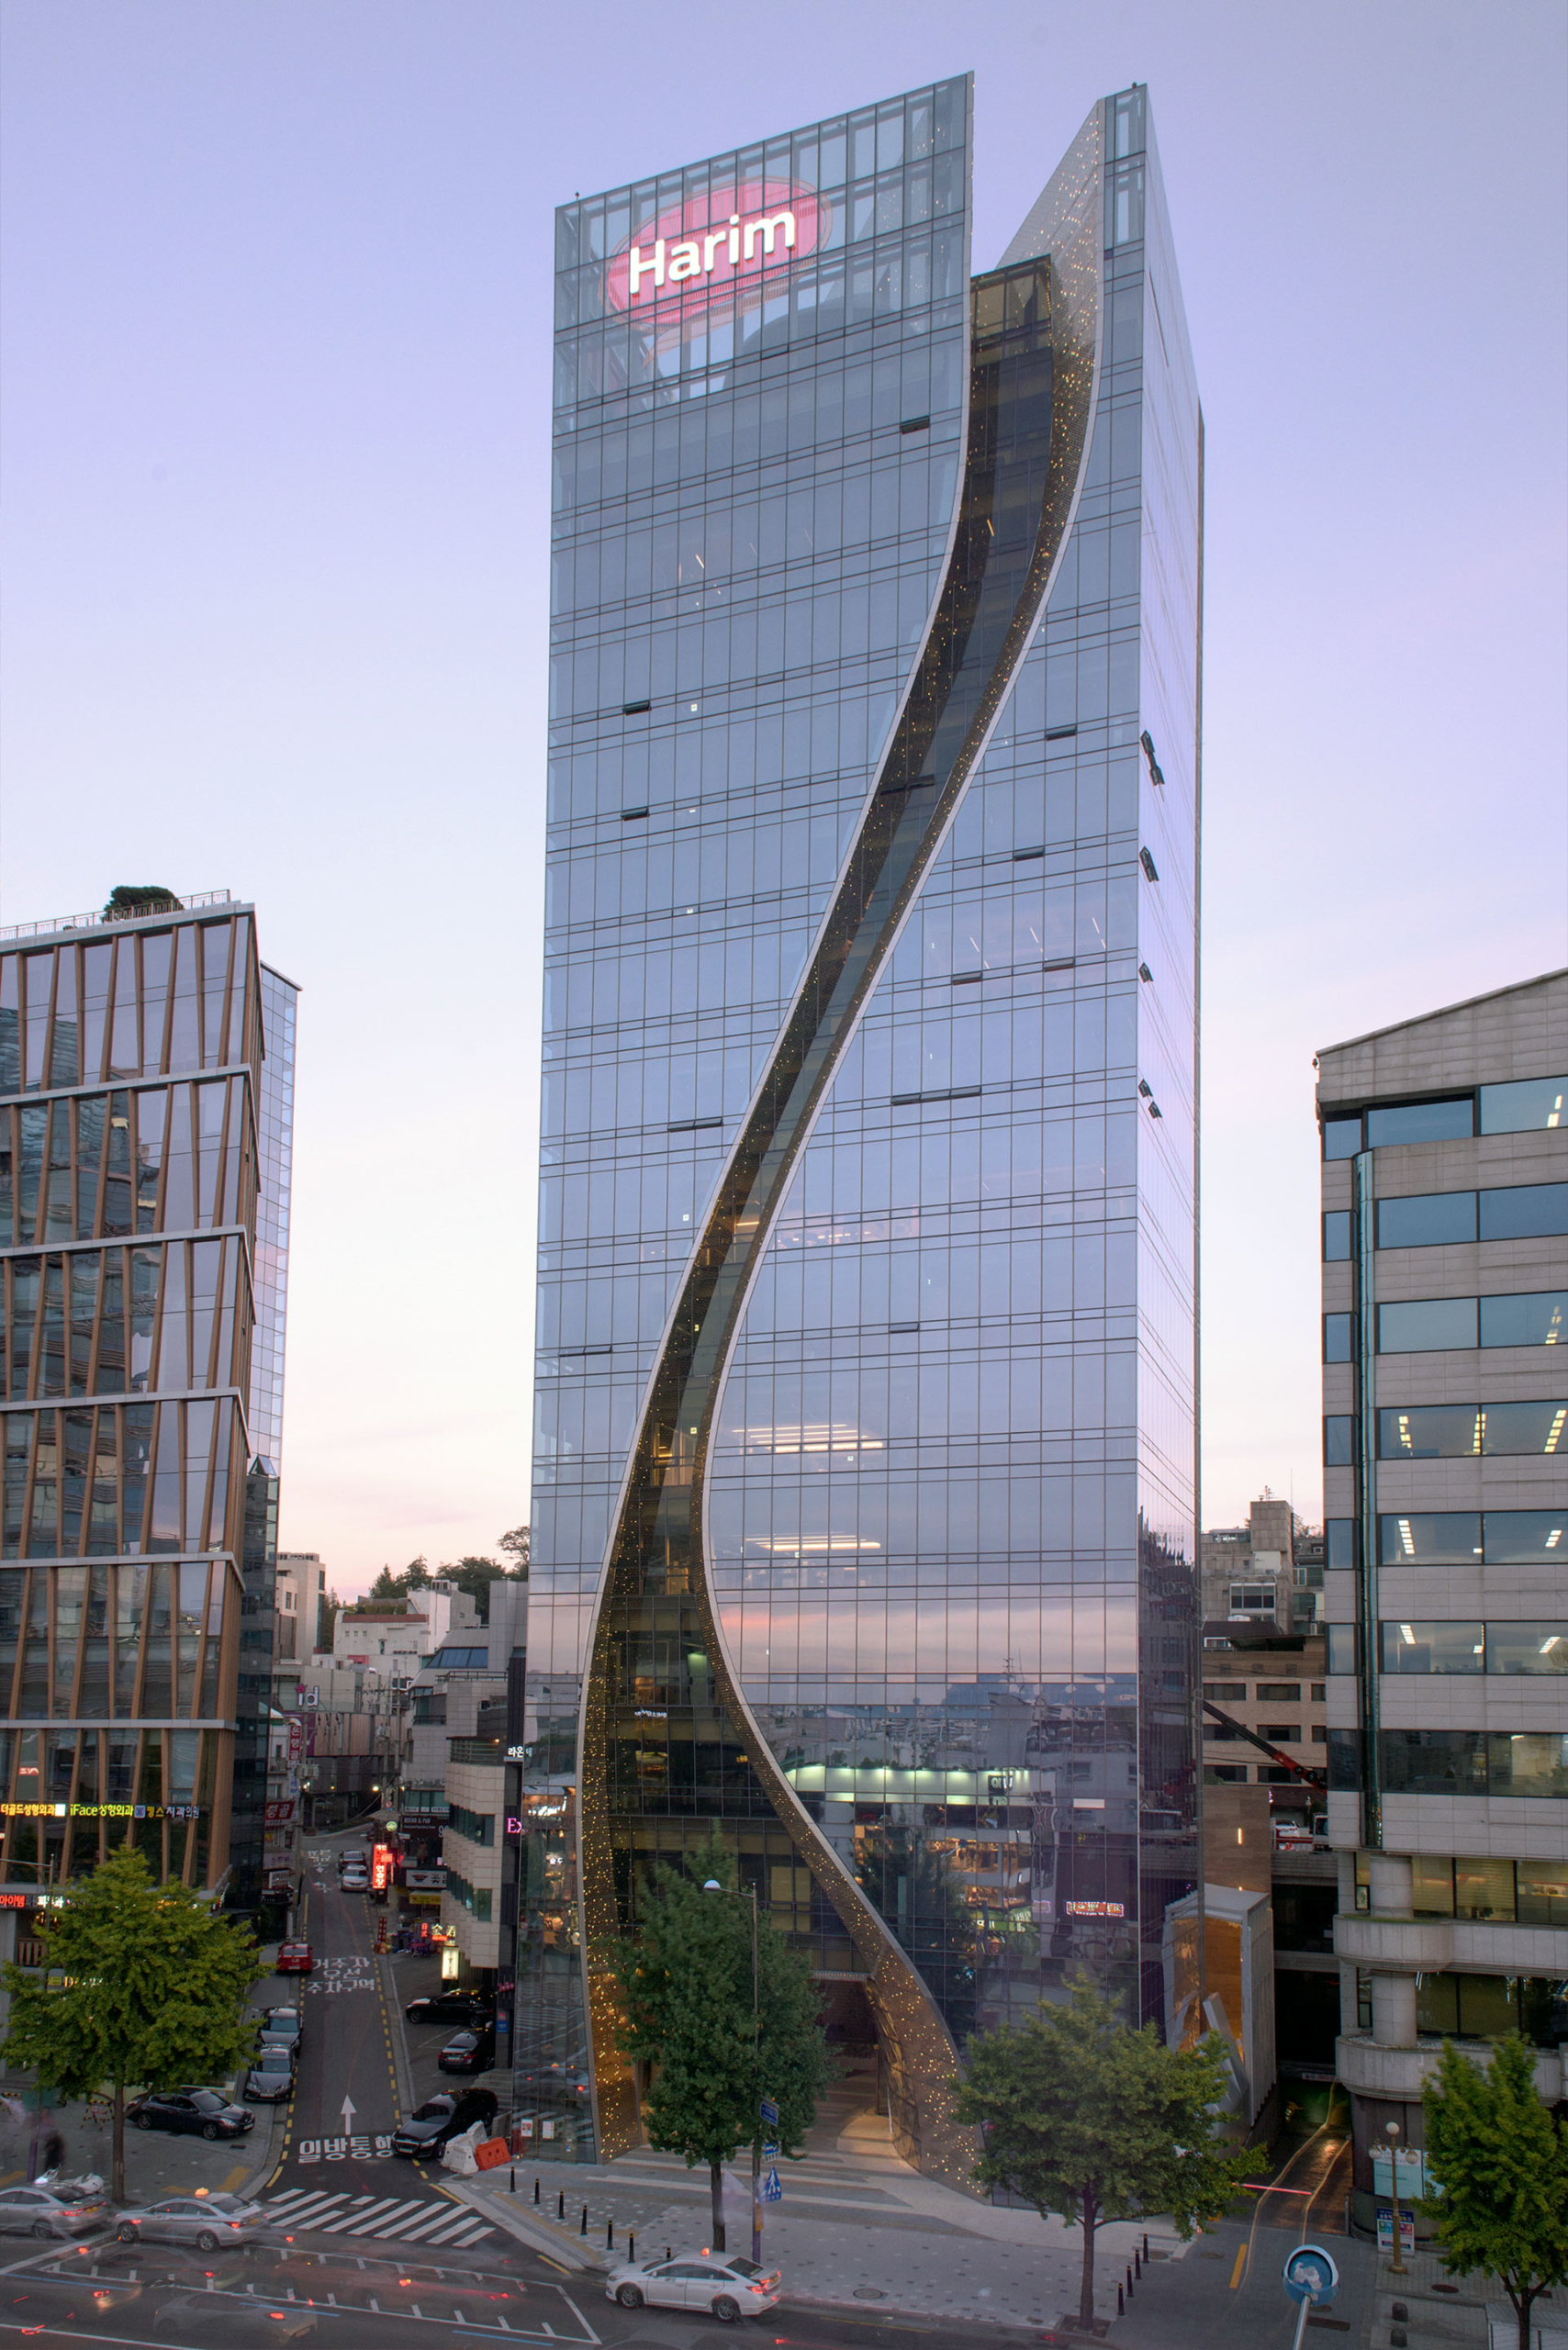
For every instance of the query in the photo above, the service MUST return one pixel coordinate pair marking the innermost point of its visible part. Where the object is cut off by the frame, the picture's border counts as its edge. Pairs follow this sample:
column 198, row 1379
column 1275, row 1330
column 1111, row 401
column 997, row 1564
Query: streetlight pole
column 713, row 1886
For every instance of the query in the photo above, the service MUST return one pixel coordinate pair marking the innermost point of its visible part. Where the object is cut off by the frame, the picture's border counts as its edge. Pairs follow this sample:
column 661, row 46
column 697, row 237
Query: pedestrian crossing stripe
column 412, row 2218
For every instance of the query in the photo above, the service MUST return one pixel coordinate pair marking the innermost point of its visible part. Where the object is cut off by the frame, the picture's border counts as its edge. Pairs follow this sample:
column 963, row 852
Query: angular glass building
column 864, row 1509
column 132, row 1056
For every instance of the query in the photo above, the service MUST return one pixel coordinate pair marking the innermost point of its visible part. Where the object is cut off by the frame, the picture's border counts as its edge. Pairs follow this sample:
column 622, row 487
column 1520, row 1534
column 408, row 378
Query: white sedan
column 724, row 2284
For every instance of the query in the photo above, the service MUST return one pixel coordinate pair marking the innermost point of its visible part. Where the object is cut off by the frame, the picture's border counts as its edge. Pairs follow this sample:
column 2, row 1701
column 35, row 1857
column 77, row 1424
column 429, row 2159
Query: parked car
column 45, row 2211
column 450, row 2006
column 723, row 2283
column 296, row 1958
column 468, row 2052
column 202, row 2110
column 429, row 2127
column 205, row 2220
column 271, row 2079
column 282, row 2028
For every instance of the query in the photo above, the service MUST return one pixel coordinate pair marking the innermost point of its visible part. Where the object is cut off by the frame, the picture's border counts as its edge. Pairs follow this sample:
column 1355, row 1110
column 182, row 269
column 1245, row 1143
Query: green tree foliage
column 474, row 1575
column 1502, row 2163
column 1086, row 2117
column 685, row 1979
column 924, row 1907
column 126, row 901
column 142, row 1982
column 516, row 1543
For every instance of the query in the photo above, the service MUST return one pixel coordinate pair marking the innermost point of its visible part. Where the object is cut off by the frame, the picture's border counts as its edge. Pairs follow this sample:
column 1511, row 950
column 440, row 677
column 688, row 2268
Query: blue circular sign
column 1311, row 2275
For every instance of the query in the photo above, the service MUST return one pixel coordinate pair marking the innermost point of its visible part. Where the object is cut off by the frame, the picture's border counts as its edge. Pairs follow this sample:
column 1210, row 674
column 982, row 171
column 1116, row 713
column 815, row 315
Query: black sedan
column 202, row 2110
column 432, row 2125
column 468, row 2052
column 271, row 2079
column 282, row 2027
column 449, row 2006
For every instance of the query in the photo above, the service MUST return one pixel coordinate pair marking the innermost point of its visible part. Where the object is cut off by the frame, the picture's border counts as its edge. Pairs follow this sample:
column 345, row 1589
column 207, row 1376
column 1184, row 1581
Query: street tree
column 686, row 1981
column 1501, row 2160
column 1087, row 2119
column 142, row 1982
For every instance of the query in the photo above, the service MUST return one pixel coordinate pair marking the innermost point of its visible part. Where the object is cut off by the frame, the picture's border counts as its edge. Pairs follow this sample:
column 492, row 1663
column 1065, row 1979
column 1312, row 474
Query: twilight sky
column 274, row 499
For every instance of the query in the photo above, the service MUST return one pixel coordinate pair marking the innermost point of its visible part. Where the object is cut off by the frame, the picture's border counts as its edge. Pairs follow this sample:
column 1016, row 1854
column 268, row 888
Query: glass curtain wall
column 901, row 1591
column 129, row 1056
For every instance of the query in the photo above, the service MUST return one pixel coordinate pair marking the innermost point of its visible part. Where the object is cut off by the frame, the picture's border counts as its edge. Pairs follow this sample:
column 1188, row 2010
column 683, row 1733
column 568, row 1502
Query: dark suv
column 451, row 2006
column 429, row 2127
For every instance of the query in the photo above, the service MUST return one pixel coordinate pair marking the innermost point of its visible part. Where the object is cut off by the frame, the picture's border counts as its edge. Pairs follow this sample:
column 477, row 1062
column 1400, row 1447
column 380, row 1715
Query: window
column 1344, row 1642
column 1339, row 1542
column 1319, row 1692
column 1420, row 1122
column 1525, row 1212
column 1460, row 1431
column 1540, row 1893
column 1337, row 1236
column 1515, row 1536
column 1320, row 1735
column 1434, row 1761
column 1226, row 1692
column 1431, row 1886
column 1279, row 1693
column 1529, row 1762
column 1442, row 1539
column 1338, row 1339
column 1426, row 1220
column 1252, row 1598
column 1345, row 1761
column 1433, row 1648
column 1280, row 1733
column 1342, row 1137
column 1339, row 1441
column 1523, row 1107
column 1539, row 1318
column 1528, row 1648
column 1426, row 1325
column 1225, row 1774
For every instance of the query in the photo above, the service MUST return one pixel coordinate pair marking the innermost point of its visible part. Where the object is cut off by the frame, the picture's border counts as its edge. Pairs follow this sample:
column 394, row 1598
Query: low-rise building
column 1273, row 1684
column 1270, row 1569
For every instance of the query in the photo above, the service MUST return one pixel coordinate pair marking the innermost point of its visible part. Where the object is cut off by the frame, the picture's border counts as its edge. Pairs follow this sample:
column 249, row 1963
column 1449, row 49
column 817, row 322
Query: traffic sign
column 1311, row 2275
column 772, row 2189
column 769, row 2153
column 769, row 2112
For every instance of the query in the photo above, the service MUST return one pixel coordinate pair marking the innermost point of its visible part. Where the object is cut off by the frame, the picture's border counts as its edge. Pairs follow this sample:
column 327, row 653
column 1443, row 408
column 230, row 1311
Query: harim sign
column 718, row 254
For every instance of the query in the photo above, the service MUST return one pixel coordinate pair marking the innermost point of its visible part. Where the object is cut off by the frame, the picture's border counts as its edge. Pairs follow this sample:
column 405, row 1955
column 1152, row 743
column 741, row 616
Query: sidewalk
column 857, row 2229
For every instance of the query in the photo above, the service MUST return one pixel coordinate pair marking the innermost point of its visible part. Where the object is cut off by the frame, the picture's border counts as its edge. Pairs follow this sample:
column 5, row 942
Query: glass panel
column 1431, row 1886
column 1538, row 1319
column 1344, row 1646
column 1420, row 1122
column 1529, row 1762
column 1338, row 1338
column 1445, row 1539
column 1342, row 1137
column 1525, row 1212
column 1540, row 1892
column 1484, row 1888
column 1426, row 1325
column 1340, row 1546
column 1521, row 1108
column 1426, row 1220
column 1518, row 1535
column 1489, row 2006
column 1429, row 1432
column 1435, row 1762
column 1528, row 1648
column 1337, row 1236
column 1433, row 1648
column 1338, row 1440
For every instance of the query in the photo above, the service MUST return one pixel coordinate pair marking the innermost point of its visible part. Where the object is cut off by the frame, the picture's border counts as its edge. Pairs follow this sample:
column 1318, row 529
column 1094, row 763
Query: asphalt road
column 153, row 2298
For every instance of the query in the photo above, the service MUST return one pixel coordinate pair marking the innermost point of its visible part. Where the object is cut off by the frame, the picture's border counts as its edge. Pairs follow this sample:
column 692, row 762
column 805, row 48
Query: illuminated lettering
column 710, row 246
column 641, row 268
column 734, row 238
column 684, row 261
column 764, row 229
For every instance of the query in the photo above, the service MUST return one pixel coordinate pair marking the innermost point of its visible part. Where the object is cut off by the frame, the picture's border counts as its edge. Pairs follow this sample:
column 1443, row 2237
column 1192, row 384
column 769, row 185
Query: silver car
column 45, row 2211
column 724, row 2283
column 209, row 2221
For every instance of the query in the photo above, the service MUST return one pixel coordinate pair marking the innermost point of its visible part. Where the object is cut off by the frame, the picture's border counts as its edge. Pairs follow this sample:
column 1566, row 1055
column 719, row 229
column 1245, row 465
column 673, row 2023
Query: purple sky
column 273, row 490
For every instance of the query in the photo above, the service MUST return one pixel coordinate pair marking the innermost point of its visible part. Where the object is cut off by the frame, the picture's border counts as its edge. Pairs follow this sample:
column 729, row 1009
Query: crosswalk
column 412, row 2218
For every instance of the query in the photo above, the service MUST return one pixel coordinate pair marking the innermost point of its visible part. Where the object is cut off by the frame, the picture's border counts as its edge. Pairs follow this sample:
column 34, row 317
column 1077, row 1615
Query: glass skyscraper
column 132, row 1055
column 865, row 1510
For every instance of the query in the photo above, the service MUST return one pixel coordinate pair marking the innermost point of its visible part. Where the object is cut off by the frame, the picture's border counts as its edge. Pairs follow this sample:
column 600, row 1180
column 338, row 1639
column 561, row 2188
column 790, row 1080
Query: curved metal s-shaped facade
column 848, row 483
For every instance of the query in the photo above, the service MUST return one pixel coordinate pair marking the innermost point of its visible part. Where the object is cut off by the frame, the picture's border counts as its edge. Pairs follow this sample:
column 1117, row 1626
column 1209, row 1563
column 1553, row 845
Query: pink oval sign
column 715, row 253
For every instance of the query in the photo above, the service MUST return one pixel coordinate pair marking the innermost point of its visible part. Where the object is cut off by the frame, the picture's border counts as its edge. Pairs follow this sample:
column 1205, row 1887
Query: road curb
column 540, row 2235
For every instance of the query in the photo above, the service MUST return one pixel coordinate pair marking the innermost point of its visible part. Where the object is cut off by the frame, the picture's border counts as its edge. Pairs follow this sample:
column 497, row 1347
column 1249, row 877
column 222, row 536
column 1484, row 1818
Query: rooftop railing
column 100, row 921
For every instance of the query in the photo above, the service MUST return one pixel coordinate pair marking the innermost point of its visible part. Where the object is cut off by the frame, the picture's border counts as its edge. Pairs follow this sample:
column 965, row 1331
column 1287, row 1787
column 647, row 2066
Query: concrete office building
column 866, row 1499
column 1445, row 1295
column 134, row 1056
column 1271, row 1569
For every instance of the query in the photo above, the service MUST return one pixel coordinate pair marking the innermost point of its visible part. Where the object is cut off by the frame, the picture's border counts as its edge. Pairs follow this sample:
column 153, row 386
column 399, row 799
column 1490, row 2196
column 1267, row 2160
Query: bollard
column 1137, row 2262
column 669, row 2254
column 609, row 2235
column 561, row 2204
column 582, row 2224
column 631, row 2247
column 1129, row 2280
column 536, row 2190
column 1120, row 2308
column 514, row 2178
column 1146, row 2243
